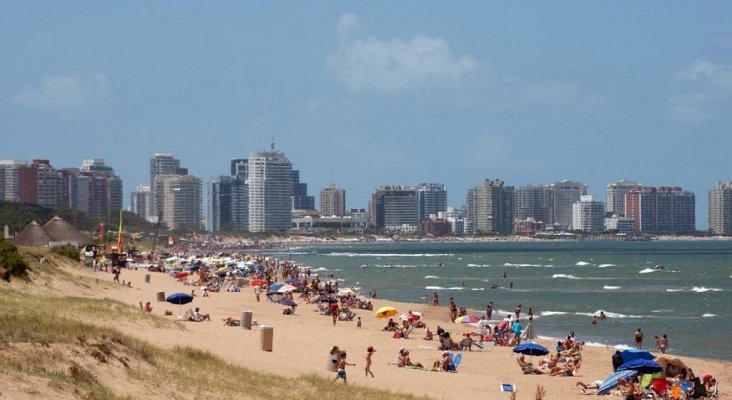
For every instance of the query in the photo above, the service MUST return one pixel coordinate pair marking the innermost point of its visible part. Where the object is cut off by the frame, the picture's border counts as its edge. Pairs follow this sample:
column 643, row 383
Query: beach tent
column 528, row 333
column 642, row 366
column 634, row 354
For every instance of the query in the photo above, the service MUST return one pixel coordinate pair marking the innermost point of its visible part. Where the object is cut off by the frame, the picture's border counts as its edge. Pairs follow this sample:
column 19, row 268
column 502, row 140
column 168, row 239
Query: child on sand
column 358, row 323
column 369, row 352
column 341, row 370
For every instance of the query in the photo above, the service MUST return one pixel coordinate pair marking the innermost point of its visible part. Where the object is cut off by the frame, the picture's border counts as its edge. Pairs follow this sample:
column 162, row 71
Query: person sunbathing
column 428, row 335
column 442, row 364
column 570, row 369
column 549, row 362
column 589, row 388
column 198, row 317
column 405, row 361
column 228, row 321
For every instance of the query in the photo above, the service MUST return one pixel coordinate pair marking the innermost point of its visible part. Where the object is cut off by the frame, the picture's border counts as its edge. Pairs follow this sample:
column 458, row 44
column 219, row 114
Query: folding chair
column 508, row 388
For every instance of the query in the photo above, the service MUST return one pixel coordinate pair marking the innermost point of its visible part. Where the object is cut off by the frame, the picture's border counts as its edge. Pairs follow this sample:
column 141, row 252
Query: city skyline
column 376, row 94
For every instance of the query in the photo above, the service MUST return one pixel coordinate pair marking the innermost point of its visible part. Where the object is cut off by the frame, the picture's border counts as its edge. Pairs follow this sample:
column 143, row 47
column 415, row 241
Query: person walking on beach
column 435, row 299
column 663, row 344
column 341, row 370
column 489, row 310
column 369, row 352
column 638, row 339
column 257, row 291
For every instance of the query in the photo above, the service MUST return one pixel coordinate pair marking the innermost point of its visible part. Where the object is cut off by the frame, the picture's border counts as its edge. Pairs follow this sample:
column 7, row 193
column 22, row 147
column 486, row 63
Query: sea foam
column 646, row 271
column 611, row 287
column 567, row 276
column 582, row 263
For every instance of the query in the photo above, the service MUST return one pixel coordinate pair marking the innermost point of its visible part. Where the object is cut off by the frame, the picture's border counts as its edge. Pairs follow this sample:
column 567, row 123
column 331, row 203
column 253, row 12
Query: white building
column 588, row 215
column 720, row 209
column 615, row 195
column 270, row 191
column 562, row 196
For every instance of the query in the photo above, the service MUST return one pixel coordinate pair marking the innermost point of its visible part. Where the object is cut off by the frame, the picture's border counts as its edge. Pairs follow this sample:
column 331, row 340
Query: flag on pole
column 120, row 244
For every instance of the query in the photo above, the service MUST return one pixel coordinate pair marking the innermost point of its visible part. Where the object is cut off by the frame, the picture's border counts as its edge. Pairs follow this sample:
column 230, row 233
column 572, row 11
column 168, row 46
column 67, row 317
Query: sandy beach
column 302, row 342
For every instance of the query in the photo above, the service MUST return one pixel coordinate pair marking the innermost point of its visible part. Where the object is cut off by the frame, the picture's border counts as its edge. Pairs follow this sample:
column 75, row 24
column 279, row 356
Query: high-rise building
column 76, row 189
column 615, row 195
column 532, row 202
column 720, row 209
column 588, row 215
column 562, row 195
column 178, row 201
column 10, row 179
column 141, row 202
column 239, row 167
column 218, row 202
column 300, row 198
column 432, row 199
column 662, row 210
column 105, row 188
column 270, row 191
column 490, row 208
column 395, row 208
column 332, row 201
column 162, row 163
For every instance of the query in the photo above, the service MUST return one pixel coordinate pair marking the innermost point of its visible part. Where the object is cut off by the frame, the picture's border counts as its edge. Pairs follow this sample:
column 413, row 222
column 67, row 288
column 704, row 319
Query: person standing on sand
column 638, row 337
column 369, row 352
column 489, row 310
column 435, row 299
column 257, row 291
column 341, row 370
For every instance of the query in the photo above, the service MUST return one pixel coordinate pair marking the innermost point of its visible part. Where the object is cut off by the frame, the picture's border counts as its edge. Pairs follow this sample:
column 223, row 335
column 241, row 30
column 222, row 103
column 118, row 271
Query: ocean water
column 565, row 283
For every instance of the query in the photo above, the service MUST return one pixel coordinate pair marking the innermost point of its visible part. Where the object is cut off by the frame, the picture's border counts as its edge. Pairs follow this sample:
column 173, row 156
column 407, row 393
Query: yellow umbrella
column 386, row 312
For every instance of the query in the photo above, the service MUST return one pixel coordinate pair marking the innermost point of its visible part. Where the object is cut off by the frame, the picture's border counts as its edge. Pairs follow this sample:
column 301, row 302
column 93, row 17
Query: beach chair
column 456, row 360
column 508, row 388
column 676, row 393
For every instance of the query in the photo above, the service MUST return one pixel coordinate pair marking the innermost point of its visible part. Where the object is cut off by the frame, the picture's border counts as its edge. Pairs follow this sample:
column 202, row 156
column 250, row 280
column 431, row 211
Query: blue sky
column 375, row 93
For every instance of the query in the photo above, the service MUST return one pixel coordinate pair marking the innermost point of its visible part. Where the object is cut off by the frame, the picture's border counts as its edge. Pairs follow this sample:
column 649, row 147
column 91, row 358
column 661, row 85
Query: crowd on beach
column 267, row 276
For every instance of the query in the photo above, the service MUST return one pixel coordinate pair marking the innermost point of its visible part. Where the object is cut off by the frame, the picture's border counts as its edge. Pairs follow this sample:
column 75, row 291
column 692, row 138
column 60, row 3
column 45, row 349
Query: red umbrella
column 257, row 282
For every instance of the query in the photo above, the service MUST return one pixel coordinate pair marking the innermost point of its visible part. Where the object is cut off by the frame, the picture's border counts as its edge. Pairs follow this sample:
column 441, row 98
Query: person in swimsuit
column 638, row 339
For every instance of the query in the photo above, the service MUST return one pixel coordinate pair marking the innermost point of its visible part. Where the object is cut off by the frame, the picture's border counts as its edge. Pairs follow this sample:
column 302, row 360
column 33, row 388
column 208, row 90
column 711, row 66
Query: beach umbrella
column 635, row 354
column 529, row 333
column 288, row 303
column 611, row 381
column 466, row 319
column 346, row 292
column 410, row 316
column 664, row 361
column 193, row 267
column 292, row 281
column 386, row 312
column 642, row 366
column 326, row 299
column 286, row 288
column 179, row 298
column 275, row 286
column 183, row 274
column 257, row 282
column 531, row 349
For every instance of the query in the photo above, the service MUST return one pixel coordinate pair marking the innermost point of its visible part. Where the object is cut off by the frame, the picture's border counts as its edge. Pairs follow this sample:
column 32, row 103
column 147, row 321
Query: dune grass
column 53, row 346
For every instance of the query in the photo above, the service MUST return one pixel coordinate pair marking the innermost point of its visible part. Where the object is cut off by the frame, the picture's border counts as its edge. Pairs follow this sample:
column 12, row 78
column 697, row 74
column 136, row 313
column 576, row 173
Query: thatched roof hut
column 32, row 235
column 62, row 232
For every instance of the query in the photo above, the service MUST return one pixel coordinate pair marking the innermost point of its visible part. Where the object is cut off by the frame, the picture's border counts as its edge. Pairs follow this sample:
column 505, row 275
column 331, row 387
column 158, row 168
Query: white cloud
column 65, row 93
column 700, row 86
column 394, row 65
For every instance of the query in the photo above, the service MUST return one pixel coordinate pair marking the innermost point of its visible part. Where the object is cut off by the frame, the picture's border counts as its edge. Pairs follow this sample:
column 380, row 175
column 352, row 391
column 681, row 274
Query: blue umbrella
column 288, row 303
column 275, row 286
column 642, row 366
column 612, row 381
column 179, row 298
column 635, row 354
column 531, row 349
